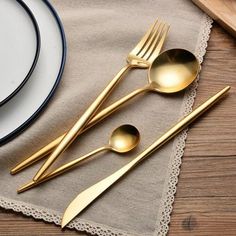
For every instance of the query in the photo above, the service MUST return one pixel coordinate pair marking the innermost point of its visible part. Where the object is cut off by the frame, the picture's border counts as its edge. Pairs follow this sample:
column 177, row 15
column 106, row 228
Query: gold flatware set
column 169, row 72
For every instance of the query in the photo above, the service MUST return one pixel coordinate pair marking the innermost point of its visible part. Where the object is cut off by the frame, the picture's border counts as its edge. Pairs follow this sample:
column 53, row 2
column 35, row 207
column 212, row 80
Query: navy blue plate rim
column 36, row 56
column 29, row 121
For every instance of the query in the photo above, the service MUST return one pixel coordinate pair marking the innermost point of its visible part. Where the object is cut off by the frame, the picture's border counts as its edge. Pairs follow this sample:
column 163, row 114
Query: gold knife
column 91, row 193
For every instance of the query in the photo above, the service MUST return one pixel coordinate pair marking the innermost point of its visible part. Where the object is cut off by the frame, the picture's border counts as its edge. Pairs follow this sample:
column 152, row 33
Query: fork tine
column 158, row 47
column 152, row 43
column 144, row 39
column 150, row 40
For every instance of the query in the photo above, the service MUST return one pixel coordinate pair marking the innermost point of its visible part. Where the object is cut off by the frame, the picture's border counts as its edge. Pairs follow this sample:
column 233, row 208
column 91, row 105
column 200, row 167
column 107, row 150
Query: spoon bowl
column 124, row 138
column 173, row 71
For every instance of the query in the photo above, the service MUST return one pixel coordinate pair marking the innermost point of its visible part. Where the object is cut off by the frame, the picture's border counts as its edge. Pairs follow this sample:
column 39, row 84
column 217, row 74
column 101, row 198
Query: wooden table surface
column 205, row 203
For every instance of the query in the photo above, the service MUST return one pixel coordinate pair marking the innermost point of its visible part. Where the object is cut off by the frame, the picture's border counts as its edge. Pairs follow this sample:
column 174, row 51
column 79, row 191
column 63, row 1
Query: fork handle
column 81, row 123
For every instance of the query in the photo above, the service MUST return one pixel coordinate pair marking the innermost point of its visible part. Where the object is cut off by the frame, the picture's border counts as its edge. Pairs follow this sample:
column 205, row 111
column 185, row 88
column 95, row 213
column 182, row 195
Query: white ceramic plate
column 17, row 113
column 19, row 47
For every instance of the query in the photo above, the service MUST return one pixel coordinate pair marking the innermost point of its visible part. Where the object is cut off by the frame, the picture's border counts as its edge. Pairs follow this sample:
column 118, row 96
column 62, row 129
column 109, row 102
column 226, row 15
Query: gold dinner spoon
column 171, row 72
column 123, row 139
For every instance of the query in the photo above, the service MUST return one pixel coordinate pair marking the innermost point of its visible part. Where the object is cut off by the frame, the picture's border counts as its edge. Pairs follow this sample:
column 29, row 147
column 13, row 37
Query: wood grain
column 223, row 11
column 205, row 202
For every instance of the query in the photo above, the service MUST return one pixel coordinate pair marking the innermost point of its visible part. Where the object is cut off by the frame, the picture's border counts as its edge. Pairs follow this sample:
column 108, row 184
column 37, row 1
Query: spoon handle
column 60, row 170
column 81, row 123
column 100, row 116
column 90, row 194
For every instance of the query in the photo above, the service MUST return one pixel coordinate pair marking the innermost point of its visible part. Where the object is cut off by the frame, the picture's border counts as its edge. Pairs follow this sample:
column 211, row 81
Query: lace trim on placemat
column 179, row 142
column 38, row 212
column 170, row 186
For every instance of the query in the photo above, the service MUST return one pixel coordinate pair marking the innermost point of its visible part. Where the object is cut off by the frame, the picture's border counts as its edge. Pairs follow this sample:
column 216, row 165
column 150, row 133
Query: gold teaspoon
column 123, row 139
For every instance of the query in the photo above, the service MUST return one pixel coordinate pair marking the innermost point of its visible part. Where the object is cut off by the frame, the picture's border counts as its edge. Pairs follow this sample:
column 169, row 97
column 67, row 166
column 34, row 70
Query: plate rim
column 36, row 56
column 36, row 114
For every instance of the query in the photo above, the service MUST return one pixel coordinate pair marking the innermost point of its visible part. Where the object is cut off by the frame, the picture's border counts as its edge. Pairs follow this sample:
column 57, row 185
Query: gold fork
column 140, row 57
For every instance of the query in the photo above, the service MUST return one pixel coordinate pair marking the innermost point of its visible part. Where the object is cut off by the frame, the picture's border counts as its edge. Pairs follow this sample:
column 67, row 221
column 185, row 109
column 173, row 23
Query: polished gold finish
column 140, row 57
column 173, row 71
column 90, row 194
column 123, row 139
column 41, row 153
column 180, row 64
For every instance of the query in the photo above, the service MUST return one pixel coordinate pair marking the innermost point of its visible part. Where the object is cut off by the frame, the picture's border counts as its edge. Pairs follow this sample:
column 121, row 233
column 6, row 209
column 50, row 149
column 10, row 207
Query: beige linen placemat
column 100, row 34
